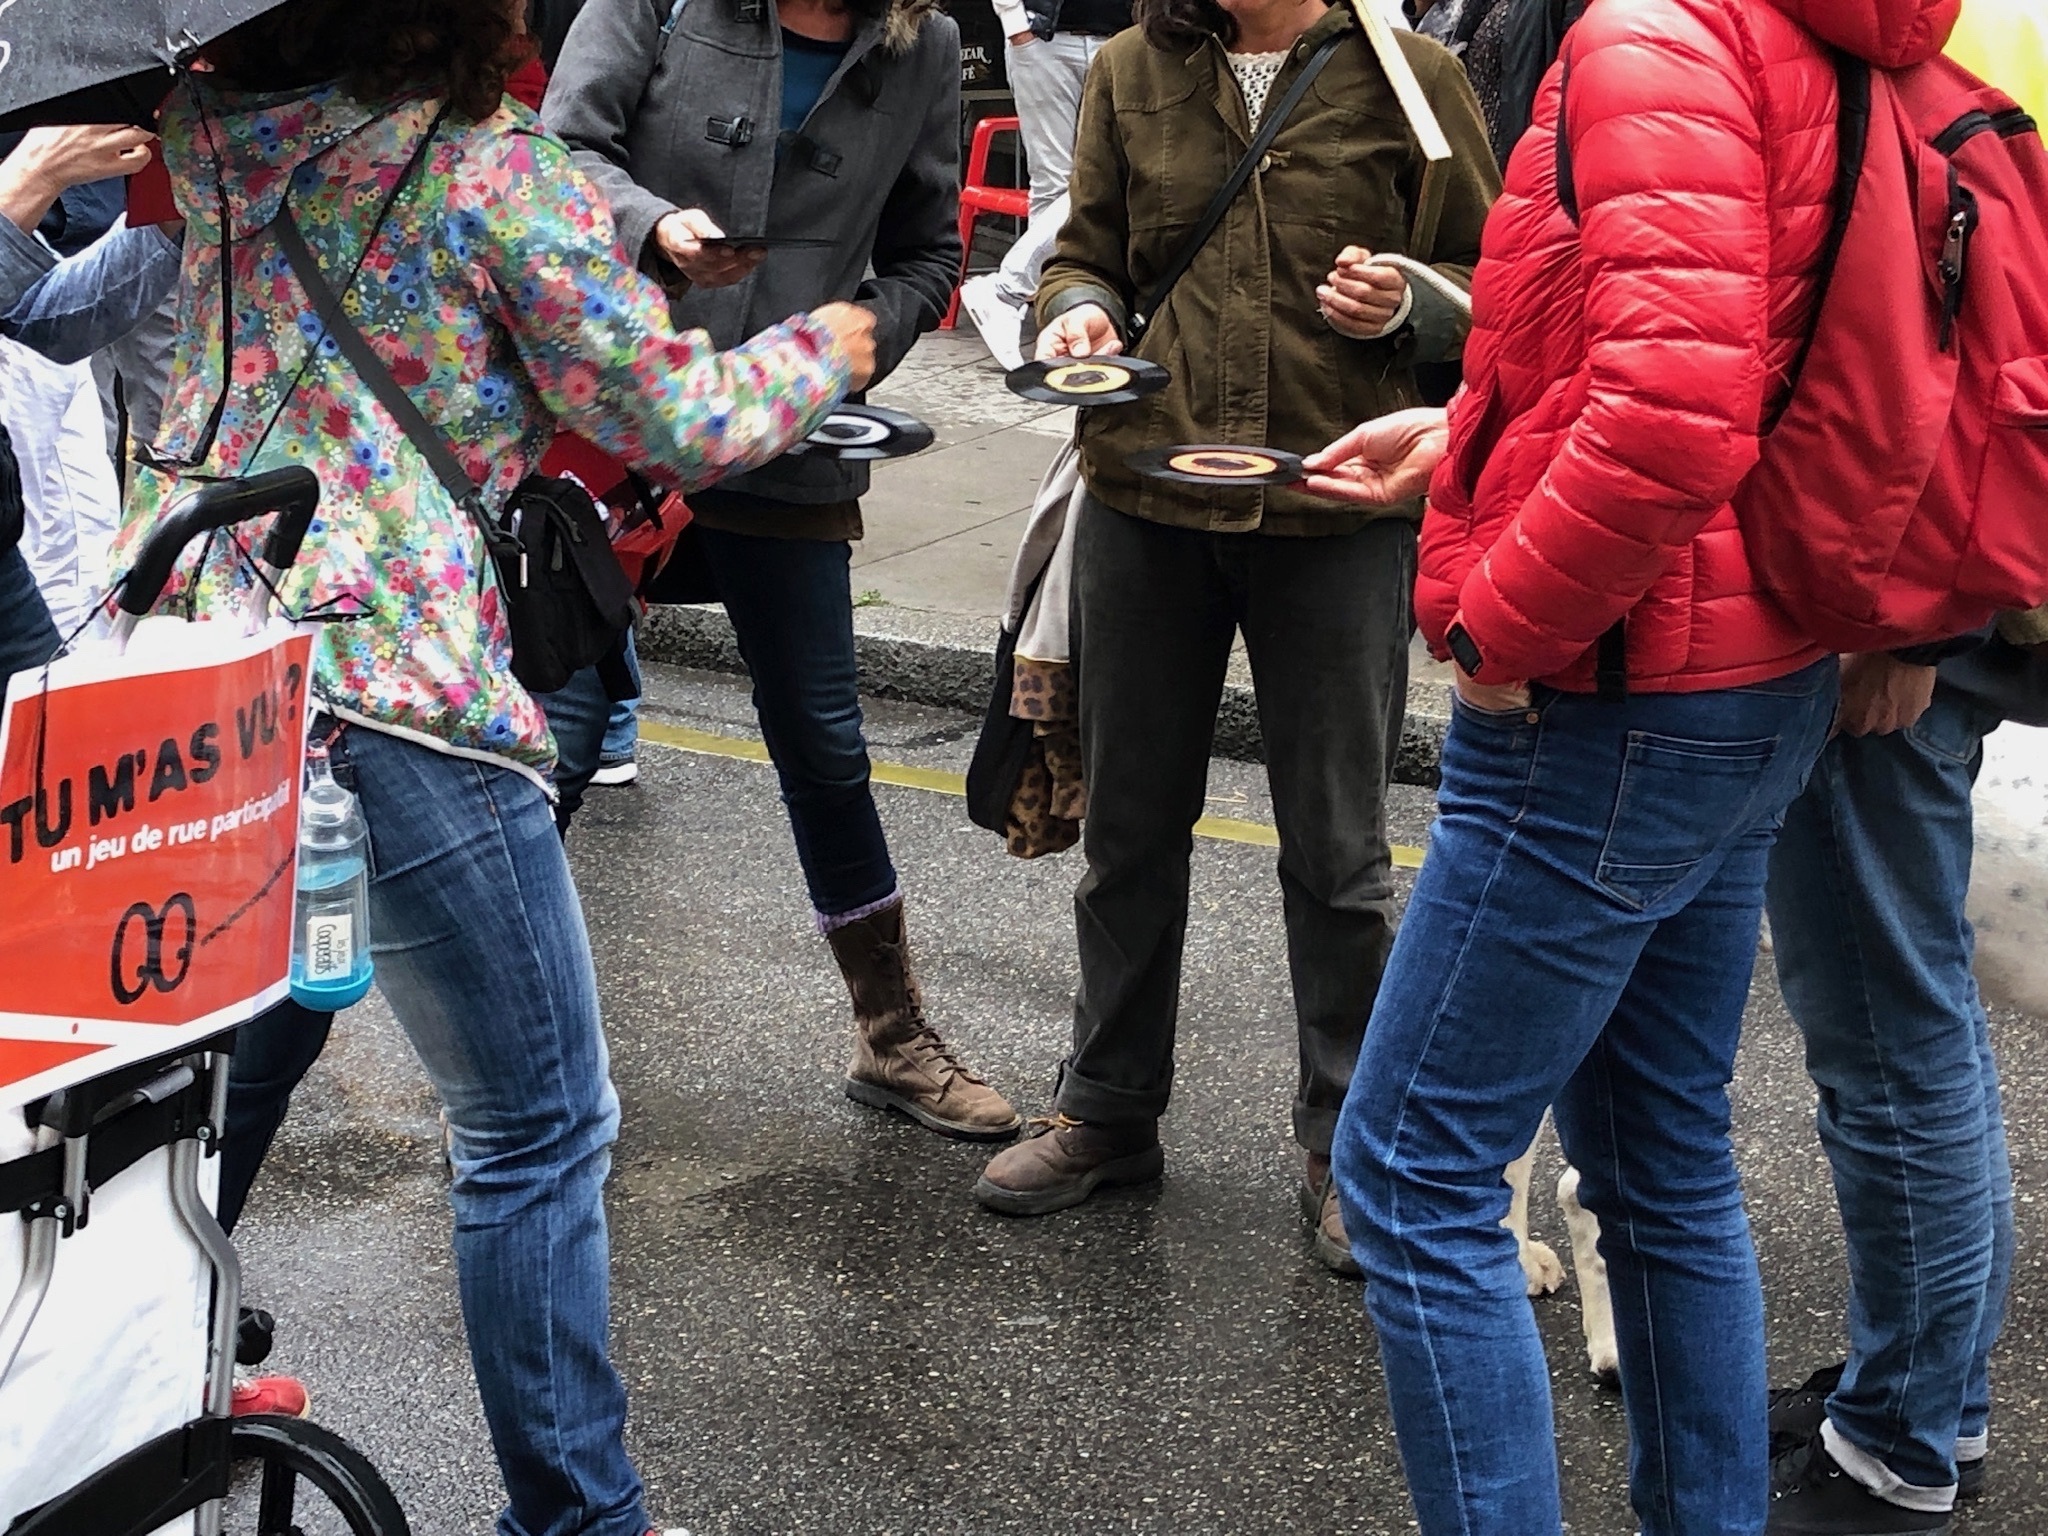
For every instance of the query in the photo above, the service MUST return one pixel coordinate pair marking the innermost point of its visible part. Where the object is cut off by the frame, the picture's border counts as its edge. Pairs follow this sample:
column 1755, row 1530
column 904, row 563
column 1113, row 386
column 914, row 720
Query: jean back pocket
column 1678, row 801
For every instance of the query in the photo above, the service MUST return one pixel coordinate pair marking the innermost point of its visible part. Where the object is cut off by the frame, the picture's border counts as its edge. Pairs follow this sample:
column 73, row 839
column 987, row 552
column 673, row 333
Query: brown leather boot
column 1325, row 1218
column 899, row 1061
column 1065, row 1161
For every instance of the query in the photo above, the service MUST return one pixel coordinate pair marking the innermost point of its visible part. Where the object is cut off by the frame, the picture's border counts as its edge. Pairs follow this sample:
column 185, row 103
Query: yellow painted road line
column 1223, row 829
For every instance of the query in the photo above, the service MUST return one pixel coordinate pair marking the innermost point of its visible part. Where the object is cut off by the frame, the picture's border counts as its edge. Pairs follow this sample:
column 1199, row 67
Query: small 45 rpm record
column 1218, row 464
column 765, row 243
column 1088, row 380
column 866, row 432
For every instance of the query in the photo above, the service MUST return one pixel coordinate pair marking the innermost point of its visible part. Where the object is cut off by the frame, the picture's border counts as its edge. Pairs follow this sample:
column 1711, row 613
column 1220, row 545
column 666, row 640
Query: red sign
column 148, row 832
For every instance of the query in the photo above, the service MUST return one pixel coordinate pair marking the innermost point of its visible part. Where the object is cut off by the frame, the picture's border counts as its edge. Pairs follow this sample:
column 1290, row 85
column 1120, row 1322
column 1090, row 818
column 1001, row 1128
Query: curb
column 948, row 661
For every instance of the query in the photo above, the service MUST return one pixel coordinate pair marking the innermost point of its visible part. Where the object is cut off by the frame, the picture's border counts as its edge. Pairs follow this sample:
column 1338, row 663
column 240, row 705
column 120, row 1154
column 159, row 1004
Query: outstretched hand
column 1382, row 463
column 854, row 326
column 48, row 162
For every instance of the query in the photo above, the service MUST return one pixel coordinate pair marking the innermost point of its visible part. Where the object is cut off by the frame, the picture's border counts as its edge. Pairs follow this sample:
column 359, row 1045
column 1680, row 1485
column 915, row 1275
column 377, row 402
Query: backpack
column 1901, row 495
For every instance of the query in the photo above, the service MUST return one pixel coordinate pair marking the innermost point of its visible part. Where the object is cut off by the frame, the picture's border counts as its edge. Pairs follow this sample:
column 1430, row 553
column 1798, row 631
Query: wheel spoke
column 280, row 1494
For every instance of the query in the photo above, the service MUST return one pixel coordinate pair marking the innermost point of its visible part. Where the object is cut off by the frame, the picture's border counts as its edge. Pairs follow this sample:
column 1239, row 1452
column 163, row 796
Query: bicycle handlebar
column 293, row 492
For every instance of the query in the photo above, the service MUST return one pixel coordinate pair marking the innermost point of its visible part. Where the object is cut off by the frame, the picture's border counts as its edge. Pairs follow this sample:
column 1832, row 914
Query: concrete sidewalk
column 929, row 580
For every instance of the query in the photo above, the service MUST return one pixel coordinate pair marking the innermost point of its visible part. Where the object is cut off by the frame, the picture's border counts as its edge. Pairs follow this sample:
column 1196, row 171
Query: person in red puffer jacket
column 1633, row 717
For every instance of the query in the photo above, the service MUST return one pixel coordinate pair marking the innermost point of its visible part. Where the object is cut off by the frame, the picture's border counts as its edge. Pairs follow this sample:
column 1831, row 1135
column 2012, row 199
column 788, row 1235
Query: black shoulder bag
column 1003, row 750
column 567, row 599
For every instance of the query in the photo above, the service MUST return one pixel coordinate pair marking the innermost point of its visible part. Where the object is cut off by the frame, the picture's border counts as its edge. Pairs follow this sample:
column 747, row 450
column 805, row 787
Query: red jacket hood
column 1890, row 34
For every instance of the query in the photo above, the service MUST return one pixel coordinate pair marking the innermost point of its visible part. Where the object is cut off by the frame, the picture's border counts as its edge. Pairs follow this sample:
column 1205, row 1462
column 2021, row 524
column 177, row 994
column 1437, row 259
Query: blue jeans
column 1582, row 934
column 482, row 954
column 27, row 637
column 590, row 730
column 622, row 727
column 1874, row 955
column 273, row 1053
column 791, row 605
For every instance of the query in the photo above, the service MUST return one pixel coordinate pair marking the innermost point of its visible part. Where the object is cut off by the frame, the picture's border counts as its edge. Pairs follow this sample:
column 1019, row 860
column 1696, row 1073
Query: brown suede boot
column 899, row 1061
column 1065, row 1161
column 1325, row 1218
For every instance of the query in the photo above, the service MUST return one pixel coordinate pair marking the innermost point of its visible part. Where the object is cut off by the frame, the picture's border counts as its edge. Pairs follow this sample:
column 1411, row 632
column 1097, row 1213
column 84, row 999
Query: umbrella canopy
column 102, row 61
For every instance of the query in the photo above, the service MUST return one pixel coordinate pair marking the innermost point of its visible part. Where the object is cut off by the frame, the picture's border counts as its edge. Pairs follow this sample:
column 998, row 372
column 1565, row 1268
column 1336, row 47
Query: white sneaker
column 624, row 771
column 1000, row 320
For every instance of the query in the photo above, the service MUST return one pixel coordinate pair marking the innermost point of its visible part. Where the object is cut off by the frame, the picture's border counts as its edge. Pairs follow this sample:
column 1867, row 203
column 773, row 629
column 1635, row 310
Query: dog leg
column 1596, row 1307
column 1539, row 1263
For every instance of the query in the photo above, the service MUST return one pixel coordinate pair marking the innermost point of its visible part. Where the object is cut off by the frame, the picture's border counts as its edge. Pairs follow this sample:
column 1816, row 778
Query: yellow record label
column 1214, row 464
column 1087, row 378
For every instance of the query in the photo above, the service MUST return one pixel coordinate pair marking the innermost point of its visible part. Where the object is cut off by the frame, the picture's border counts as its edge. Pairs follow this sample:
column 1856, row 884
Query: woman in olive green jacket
column 1281, row 334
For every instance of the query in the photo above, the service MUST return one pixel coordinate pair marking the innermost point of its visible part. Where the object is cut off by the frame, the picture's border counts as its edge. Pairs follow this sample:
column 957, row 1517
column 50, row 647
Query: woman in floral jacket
column 495, row 291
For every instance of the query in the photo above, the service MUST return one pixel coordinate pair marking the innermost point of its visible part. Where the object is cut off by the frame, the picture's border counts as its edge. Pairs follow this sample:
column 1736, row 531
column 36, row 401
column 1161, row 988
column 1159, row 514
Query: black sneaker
column 1970, row 1479
column 1797, row 1413
column 1812, row 1496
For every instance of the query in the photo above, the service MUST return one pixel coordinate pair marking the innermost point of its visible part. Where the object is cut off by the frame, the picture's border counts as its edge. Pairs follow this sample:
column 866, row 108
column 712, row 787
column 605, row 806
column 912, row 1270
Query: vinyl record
column 766, row 243
column 1088, row 380
column 866, row 432
column 1218, row 464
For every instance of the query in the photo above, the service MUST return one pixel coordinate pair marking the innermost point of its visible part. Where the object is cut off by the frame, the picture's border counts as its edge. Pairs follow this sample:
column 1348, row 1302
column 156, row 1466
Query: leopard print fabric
column 1051, row 798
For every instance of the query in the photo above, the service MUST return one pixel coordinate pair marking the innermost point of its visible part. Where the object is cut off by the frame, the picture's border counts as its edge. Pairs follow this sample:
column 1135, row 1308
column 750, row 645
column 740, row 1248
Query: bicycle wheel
column 293, row 1478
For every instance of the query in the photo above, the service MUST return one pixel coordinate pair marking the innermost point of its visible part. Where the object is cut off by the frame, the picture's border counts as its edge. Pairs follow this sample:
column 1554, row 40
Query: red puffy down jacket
column 1618, row 369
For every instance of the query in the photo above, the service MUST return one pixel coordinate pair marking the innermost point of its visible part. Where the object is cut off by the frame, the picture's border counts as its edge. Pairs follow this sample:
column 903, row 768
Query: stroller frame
column 178, row 1101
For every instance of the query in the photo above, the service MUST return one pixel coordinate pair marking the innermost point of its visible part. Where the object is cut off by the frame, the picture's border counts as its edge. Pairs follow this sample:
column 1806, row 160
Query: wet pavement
column 822, row 1332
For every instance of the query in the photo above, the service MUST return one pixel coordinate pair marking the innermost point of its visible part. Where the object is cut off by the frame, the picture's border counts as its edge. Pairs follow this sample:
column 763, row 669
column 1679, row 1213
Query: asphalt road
column 823, row 1333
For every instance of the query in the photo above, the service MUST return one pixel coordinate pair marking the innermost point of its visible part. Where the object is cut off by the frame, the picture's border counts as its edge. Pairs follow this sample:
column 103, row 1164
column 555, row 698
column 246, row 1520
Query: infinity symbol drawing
column 155, row 929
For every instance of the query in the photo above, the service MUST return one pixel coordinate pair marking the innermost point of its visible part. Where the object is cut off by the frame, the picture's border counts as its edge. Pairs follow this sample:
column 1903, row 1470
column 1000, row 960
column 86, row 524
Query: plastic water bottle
column 331, row 912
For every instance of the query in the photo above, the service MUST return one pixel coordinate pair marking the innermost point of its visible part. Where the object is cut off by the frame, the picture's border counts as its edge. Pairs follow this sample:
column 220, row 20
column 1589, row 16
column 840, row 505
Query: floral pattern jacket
column 498, row 295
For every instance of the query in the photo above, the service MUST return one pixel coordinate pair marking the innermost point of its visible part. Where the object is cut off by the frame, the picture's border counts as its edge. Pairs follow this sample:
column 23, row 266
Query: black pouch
column 567, row 599
column 1003, row 749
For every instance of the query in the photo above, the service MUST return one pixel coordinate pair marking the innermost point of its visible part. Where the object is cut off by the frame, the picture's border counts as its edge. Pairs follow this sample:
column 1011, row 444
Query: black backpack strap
column 1567, row 189
column 1269, row 130
column 1610, row 663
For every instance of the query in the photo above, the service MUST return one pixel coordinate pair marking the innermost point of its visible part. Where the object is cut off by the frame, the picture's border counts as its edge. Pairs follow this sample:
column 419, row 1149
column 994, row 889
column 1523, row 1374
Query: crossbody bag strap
column 1269, row 130
column 369, row 367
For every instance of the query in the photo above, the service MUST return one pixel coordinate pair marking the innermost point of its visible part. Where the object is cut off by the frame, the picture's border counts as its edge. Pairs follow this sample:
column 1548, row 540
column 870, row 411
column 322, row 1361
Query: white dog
column 1546, row 1275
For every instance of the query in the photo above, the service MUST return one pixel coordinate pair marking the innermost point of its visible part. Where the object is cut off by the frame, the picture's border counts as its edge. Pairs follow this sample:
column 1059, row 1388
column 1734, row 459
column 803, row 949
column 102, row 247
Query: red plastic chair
column 977, row 198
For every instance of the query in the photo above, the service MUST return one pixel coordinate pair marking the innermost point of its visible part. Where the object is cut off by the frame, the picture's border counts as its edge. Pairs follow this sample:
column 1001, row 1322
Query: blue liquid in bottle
column 331, row 911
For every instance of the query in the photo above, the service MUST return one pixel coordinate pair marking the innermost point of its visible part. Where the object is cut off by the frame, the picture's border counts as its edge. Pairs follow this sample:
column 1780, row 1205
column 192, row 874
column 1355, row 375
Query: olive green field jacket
column 1253, row 362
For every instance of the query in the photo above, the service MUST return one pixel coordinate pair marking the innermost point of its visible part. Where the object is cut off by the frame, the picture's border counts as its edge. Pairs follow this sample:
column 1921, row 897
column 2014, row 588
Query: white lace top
column 1255, row 75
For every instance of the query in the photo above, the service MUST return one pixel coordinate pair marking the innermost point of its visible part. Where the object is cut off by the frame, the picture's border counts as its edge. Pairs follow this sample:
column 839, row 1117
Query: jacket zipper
column 1962, row 206
column 1955, row 253
column 2008, row 124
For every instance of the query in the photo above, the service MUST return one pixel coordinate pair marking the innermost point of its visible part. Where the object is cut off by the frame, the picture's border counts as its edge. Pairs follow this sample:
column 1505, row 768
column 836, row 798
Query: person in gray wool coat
column 835, row 123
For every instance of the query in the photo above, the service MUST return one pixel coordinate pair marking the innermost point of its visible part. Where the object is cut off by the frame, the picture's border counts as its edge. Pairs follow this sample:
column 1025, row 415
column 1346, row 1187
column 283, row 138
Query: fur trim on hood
column 905, row 20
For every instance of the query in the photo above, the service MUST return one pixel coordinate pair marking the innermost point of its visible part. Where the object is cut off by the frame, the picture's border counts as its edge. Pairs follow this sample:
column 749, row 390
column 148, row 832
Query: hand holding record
column 685, row 238
column 1215, row 466
column 1088, row 380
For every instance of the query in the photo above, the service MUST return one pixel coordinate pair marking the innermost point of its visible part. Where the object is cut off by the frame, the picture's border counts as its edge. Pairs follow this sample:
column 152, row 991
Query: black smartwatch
column 1464, row 651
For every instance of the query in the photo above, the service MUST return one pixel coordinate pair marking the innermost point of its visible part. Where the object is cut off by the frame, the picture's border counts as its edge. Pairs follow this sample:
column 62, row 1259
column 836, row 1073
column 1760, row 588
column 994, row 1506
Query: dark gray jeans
column 1326, row 622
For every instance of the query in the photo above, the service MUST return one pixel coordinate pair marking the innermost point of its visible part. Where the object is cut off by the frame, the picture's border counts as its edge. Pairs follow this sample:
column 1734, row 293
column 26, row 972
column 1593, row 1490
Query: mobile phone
column 149, row 193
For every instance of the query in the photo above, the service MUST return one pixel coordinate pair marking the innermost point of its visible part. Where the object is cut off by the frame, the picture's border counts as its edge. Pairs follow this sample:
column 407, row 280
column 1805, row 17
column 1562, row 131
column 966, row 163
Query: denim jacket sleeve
column 67, row 310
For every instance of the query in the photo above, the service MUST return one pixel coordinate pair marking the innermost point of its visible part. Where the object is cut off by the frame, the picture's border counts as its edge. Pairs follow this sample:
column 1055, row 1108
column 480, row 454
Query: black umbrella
column 102, row 61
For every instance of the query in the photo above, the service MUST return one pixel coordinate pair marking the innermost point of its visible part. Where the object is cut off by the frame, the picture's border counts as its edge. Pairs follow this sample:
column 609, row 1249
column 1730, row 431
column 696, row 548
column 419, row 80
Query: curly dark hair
column 463, row 49
column 1182, row 23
